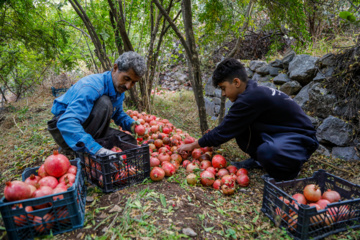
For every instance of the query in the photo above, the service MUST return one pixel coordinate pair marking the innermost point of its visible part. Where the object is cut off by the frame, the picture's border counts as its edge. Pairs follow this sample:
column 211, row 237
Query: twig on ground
column 17, row 126
column 330, row 165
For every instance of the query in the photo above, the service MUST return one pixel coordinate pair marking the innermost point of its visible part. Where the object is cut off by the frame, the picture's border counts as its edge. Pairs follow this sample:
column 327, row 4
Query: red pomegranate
column 57, row 164
column 191, row 166
column 222, row 172
column 331, row 196
column 185, row 163
column 16, row 190
column 70, row 178
column 164, row 157
column 207, row 178
column 44, row 223
column 154, row 162
column 228, row 180
column 189, row 139
column 312, row 193
column 323, row 203
column 242, row 171
column 196, row 153
column 32, row 180
column 140, row 130
column 232, row 169
column 42, row 172
column 300, row 198
column 218, row 161
column 169, row 169
column 205, row 164
column 227, row 190
column 212, row 170
column 49, row 181
column 217, row 184
column 243, row 180
column 72, row 169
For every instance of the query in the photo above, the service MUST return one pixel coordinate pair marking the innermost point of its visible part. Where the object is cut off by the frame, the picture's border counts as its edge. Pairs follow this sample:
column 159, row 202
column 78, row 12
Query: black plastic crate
column 303, row 221
column 108, row 173
column 58, row 216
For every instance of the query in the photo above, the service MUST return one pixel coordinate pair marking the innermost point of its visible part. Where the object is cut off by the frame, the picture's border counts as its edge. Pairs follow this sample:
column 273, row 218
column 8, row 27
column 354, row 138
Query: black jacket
column 259, row 110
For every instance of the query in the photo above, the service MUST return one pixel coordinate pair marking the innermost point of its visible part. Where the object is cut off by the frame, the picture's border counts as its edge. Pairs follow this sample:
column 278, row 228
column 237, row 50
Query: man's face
column 123, row 80
column 232, row 89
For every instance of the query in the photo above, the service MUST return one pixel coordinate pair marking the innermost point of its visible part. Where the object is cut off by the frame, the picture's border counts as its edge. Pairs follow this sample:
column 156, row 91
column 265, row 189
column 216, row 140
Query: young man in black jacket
column 266, row 123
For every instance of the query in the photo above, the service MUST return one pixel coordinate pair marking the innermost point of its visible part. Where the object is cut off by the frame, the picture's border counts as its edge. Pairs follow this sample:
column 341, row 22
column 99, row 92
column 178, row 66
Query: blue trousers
column 282, row 155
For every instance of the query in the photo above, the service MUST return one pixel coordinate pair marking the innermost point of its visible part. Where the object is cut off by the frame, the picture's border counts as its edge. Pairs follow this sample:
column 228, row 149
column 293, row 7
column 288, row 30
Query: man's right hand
column 134, row 125
column 104, row 152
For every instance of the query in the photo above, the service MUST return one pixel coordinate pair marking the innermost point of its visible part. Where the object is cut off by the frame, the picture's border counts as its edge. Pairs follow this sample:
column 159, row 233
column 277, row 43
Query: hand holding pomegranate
column 188, row 147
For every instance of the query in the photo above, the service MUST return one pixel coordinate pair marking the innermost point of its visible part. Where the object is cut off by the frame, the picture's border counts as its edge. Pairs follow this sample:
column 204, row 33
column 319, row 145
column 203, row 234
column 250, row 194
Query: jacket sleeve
column 70, row 123
column 120, row 117
column 240, row 116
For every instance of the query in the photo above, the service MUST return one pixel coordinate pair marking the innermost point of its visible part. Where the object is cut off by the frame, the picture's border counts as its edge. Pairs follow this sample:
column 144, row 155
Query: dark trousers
column 97, row 124
column 282, row 155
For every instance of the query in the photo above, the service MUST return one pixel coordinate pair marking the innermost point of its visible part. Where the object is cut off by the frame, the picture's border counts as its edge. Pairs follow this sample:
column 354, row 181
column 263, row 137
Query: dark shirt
column 259, row 110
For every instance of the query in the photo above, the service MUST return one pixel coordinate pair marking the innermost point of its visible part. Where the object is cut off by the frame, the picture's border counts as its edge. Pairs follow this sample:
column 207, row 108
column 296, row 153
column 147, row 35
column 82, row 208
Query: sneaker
column 248, row 164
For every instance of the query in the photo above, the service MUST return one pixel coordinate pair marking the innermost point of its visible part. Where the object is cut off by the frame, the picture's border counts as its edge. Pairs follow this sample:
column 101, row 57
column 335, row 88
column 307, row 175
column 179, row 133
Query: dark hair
column 227, row 70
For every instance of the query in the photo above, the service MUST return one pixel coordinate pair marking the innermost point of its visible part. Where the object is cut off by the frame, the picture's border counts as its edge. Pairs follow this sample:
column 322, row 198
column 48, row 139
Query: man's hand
column 134, row 125
column 104, row 152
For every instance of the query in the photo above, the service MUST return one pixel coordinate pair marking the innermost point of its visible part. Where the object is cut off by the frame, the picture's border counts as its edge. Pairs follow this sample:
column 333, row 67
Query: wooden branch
column 72, row 25
column 172, row 24
column 337, row 168
column 17, row 125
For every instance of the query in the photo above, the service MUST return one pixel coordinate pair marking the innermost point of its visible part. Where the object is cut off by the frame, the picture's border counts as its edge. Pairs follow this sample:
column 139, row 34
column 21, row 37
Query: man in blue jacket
column 84, row 112
column 266, row 123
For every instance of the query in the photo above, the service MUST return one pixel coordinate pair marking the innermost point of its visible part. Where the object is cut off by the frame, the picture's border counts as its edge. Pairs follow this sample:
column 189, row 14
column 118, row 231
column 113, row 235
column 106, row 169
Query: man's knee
column 266, row 153
column 104, row 101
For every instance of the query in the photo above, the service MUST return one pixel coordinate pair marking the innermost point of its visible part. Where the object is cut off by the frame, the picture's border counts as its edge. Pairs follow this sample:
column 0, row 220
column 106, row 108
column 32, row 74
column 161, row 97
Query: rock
column 89, row 199
column 346, row 153
column 314, row 121
column 273, row 71
column 256, row 64
column 256, row 77
column 321, row 75
column 281, row 78
column 277, row 63
column 302, row 68
column 105, row 230
column 266, row 78
column 218, row 93
column 182, row 78
column 209, row 106
column 228, row 105
column 302, row 98
column 103, row 215
column 323, row 150
column 209, row 88
column 249, row 72
column 268, row 70
column 287, row 59
column 326, row 60
column 335, row 131
column 216, row 101
column 116, row 208
column 79, row 235
column 177, row 83
column 321, row 102
column 291, row 88
column 189, row 232
column 217, row 110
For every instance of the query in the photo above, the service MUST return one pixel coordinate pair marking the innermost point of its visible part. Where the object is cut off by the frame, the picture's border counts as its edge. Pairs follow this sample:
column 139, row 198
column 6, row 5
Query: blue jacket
column 76, row 104
column 256, row 112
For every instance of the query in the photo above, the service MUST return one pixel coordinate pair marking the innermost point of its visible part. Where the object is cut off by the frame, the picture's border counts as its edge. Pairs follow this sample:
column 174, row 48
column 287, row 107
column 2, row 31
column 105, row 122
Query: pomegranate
column 176, row 157
column 189, row 140
column 162, row 150
column 191, row 179
column 57, row 164
column 152, row 146
column 158, row 143
column 191, row 166
column 154, row 162
column 41, row 192
column 280, row 211
column 33, row 189
column 185, row 163
column 43, row 224
column 72, row 169
column 16, row 190
column 323, row 203
column 205, row 164
column 316, row 219
column 227, row 190
column 32, row 180
column 22, row 220
column 207, row 178
column 345, row 213
column 206, row 149
column 299, row 198
column 218, row 161
column 228, row 180
column 196, row 153
column 166, row 130
column 222, row 172
column 312, row 193
column 140, row 130
column 157, row 174
column 212, row 170
column 242, row 171
column 331, row 196
column 185, row 155
column 49, row 181
column 217, row 184
column 292, row 222
column 232, row 169
column 70, row 177
column 59, row 190
column 204, row 157
column 169, row 169
column 42, row 172
column 175, row 163
column 243, row 180
column 164, row 157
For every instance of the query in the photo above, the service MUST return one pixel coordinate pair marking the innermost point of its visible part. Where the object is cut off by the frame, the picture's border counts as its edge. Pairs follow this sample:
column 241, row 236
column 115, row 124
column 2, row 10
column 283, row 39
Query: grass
column 155, row 210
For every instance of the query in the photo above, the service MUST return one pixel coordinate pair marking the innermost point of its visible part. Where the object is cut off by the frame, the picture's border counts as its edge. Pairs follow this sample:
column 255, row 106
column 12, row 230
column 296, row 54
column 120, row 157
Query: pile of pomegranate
column 164, row 139
column 313, row 197
column 56, row 175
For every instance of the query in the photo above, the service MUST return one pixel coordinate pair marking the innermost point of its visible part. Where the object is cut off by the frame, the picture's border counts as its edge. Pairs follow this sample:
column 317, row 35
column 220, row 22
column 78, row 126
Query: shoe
column 248, row 164
column 67, row 152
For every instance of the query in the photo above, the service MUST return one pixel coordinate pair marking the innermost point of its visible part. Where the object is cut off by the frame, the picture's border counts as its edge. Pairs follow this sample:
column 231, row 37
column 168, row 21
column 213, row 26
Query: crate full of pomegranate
column 49, row 200
column 314, row 207
column 128, row 166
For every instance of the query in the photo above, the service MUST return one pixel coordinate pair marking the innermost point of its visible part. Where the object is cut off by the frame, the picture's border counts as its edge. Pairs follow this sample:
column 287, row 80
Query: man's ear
column 237, row 82
column 115, row 68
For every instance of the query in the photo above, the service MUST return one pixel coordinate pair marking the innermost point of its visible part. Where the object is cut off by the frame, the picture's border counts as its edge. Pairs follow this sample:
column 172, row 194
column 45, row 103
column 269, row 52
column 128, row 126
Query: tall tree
column 192, row 56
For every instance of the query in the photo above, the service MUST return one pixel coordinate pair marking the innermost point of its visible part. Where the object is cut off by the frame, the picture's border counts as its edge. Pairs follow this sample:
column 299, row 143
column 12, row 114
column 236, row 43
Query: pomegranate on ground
column 207, row 178
column 157, row 174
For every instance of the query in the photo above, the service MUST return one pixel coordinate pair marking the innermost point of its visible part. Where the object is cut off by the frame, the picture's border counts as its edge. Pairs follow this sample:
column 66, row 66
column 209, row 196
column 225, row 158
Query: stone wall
column 301, row 77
